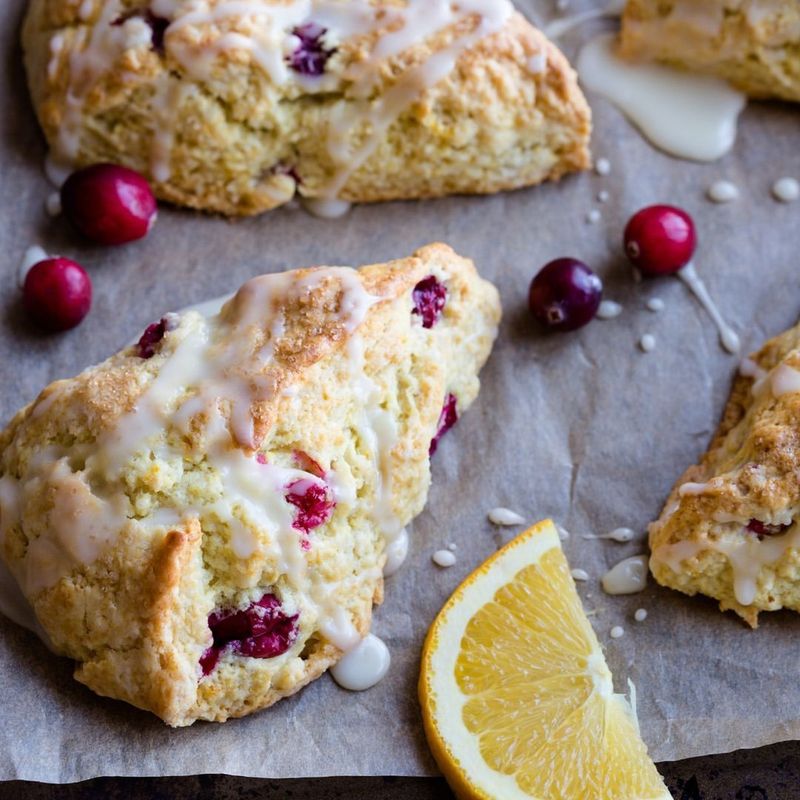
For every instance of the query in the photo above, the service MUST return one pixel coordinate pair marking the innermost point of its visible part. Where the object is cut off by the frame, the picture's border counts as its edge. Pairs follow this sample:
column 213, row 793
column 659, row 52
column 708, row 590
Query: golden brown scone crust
column 754, row 44
column 702, row 543
column 237, row 141
column 131, row 509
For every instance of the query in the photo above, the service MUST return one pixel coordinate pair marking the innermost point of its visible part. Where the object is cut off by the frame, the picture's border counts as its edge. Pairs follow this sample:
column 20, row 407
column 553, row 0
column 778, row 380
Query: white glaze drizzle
column 579, row 574
column 727, row 336
column 621, row 535
column 364, row 665
column 444, row 558
column 784, row 380
column 640, row 615
column 687, row 115
column 627, row 577
column 787, row 190
column 617, row 632
column 396, row 553
column 505, row 516
column 655, row 304
column 647, row 343
column 609, row 309
column 53, row 204
column 722, row 192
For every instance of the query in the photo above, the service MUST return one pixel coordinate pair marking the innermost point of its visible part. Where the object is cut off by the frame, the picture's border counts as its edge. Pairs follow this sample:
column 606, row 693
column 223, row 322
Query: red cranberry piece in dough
column 310, row 55
column 109, row 204
column 57, row 294
column 429, row 296
column 762, row 529
column 447, row 419
column 153, row 335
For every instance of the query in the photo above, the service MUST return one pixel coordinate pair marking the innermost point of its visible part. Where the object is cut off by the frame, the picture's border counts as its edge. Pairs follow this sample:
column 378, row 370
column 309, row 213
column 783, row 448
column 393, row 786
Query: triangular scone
column 750, row 43
column 731, row 527
column 201, row 521
column 233, row 107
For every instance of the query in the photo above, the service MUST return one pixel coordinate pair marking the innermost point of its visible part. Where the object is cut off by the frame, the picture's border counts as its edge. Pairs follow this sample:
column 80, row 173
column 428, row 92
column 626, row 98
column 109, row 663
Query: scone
column 234, row 107
column 731, row 528
column 755, row 44
column 201, row 521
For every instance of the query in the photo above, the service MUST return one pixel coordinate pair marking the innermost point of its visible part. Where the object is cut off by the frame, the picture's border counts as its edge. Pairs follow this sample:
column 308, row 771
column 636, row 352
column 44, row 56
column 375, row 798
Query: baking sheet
column 584, row 427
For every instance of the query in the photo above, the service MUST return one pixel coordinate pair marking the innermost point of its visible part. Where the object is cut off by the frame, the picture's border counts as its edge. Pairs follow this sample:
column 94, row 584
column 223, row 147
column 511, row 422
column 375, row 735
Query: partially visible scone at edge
column 754, row 44
column 201, row 521
column 234, row 107
column 731, row 527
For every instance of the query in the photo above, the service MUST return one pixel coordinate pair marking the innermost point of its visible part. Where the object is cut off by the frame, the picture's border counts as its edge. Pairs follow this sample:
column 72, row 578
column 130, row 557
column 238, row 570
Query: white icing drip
column 787, row 190
column 655, row 304
column 640, row 615
column 687, row 115
column 627, row 577
column 444, row 558
column 608, row 309
column 621, row 535
column 603, row 166
column 505, row 516
column 647, row 343
column 617, row 632
column 396, row 553
column 363, row 666
column 55, row 171
column 746, row 554
column 722, row 192
column 603, row 196
column 579, row 574
column 326, row 209
column 691, row 488
column 784, row 380
column 594, row 216
column 727, row 336
column 33, row 255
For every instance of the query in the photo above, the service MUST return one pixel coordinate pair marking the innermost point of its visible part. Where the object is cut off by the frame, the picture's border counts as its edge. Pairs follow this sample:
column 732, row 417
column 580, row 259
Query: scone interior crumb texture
column 234, row 107
column 245, row 477
column 755, row 44
column 731, row 527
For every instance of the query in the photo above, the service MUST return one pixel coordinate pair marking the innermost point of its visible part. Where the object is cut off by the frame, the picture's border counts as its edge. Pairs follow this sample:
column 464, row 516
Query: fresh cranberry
column 310, row 56
column 158, row 26
column 447, row 418
column 565, row 295
column 262, row 630
column 762, row 529
column 147, row 346
column 313, row 502
column 57, row 294
column 660, row 240
column 109, row 204
column 429, row 297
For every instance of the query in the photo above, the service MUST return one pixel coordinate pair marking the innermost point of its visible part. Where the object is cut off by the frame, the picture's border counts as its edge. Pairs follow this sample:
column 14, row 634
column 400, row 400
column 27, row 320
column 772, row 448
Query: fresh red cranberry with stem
column 57, row 294
column 262, row 630
column 660, row 240
column 429, row 296
column 762, row 529
column 447, row 418
column 565, row 295
column 313, row 502
column 109, row 204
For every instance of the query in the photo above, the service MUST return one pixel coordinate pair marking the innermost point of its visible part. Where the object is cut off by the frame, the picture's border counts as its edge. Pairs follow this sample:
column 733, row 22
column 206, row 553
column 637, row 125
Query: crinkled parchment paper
column 583, row 427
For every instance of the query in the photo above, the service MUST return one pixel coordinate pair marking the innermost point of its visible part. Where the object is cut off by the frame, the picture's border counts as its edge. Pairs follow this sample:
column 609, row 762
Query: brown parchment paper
column 583, row 427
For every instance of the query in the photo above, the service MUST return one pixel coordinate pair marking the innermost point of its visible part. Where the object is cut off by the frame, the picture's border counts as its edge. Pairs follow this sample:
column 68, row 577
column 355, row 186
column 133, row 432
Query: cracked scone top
column 235, row 105
column 731, row 527
column 201, row 521
column 755, row 44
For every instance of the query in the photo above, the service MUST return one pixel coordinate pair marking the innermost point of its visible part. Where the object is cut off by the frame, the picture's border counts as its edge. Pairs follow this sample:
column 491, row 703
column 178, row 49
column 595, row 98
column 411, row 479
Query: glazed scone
column 201, row 521
column 731, row 527
column 754, row 44
column 234, row 106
